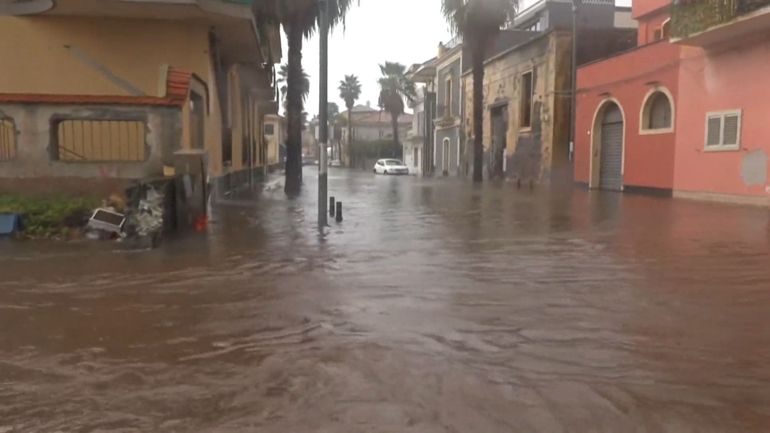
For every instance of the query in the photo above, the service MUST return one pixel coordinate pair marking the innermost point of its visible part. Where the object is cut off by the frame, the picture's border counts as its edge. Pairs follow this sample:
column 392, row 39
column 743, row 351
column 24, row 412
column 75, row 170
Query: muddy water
column 435, row 307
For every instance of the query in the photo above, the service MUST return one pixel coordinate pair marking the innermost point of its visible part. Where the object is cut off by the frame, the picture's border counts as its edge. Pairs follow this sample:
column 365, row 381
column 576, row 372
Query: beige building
column 527, row 99
column 113, row 88
column 275, row 134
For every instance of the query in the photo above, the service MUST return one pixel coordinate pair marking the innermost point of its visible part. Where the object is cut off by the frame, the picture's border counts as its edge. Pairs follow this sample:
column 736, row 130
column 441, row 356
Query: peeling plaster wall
column 533, row 152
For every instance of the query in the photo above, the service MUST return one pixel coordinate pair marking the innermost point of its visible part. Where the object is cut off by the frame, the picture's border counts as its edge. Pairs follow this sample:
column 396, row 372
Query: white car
column 390, row 166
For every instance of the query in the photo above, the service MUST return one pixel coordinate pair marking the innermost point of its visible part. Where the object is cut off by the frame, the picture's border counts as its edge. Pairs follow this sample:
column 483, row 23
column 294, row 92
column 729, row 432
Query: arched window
column 657, row 114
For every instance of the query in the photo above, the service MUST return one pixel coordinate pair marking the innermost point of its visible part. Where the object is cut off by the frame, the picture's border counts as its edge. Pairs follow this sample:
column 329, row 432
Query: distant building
column 371, row 124
column 545, row 15
column 97, row 90
column 449, row 138
column 414, row 143
column 528, row 88
column 419, row 145
column 274, row 130
column 440, row 110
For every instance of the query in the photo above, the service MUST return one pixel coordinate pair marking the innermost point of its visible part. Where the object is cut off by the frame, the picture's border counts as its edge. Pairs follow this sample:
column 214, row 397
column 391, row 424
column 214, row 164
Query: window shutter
column 731, row 130
column 714, row 134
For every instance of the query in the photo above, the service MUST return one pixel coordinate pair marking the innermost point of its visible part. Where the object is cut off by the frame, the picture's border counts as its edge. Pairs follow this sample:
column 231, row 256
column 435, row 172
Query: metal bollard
column 331, row 206
column 339, row 212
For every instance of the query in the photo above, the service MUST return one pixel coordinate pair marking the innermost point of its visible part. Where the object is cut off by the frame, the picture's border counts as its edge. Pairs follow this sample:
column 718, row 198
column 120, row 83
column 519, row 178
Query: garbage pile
column 141, row 222
column 107, row 222
column 147, row 219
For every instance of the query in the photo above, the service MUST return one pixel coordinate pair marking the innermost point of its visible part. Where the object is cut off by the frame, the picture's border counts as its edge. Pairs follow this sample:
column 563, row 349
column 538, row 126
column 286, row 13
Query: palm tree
column 282, row 80
column 350, row 91
column 394, row 88
column 478, row 22
column 299, row 19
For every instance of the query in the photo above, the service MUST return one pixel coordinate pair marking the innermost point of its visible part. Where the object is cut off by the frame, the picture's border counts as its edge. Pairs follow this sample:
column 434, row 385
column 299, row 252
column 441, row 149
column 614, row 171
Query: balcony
column 705, row 23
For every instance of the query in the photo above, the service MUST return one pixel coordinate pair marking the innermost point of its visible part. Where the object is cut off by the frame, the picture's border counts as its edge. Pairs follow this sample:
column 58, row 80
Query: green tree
column 283, row 80
column 299, row 19
column 478, row 22
column 394, row 89
column 350, row 91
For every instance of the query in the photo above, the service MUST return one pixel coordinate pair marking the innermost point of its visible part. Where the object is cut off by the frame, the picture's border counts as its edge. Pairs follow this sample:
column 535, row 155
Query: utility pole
column 323, row 113
column 573, row 101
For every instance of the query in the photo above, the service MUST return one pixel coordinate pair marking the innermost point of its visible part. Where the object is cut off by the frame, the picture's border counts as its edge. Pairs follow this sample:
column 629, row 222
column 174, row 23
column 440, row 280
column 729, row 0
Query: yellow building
column 112, row 88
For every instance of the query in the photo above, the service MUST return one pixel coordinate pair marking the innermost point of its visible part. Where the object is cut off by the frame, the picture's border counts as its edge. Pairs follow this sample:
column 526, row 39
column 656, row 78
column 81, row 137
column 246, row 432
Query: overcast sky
column 376, row 31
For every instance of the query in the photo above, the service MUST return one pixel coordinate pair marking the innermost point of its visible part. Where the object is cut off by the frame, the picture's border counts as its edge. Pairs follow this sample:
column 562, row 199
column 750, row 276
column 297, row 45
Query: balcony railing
column 689, row 17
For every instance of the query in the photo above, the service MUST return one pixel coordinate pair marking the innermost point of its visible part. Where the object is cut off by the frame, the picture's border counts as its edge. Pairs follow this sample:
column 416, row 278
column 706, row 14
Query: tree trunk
column 394, row 123
column 294, row 104
column 349, row 150
column 478, row 115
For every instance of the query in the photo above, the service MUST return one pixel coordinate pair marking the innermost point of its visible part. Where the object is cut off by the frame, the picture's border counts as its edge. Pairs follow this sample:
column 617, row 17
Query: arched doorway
column 609, row 140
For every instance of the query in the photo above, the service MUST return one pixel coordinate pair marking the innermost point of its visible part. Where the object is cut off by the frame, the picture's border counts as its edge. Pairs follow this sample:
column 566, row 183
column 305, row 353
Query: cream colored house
column 112, row 88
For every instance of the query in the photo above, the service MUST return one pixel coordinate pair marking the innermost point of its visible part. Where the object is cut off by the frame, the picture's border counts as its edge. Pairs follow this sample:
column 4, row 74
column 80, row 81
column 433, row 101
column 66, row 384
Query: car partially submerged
column 390, row 166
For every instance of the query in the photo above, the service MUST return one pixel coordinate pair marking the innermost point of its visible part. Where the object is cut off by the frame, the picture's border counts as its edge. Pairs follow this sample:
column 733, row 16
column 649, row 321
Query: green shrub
column 48, row 216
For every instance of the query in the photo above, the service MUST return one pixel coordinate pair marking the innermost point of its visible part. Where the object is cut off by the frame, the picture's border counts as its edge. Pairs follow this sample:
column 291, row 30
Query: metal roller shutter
column 612, row 153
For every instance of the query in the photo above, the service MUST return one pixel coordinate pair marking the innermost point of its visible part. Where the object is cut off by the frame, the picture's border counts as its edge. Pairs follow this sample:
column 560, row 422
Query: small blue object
column 10, row 223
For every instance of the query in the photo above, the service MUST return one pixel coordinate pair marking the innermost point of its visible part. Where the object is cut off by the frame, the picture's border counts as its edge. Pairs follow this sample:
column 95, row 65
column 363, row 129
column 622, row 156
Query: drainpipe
column 573, row 100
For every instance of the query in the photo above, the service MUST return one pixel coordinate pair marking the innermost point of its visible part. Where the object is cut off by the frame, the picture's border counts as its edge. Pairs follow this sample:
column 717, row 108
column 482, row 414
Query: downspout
column 573, row 100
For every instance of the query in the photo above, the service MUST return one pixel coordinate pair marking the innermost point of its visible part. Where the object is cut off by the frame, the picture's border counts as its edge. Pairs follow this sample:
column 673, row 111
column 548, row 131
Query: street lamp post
column 323, row 112
column 573, row 102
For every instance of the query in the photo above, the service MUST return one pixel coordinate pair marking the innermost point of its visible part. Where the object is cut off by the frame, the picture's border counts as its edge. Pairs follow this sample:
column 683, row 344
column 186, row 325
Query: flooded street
column 436, row 306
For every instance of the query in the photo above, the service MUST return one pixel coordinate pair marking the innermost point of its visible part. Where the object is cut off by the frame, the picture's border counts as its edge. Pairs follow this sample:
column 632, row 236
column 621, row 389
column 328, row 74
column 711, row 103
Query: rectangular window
column 448, row 96
column 90, row 140
column 7, row 140
column 526, row 100
column 269, row 129
column 723, row 130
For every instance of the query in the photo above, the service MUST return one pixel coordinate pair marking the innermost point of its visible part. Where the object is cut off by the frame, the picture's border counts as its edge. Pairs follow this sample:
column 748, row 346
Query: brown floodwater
column 435, row 307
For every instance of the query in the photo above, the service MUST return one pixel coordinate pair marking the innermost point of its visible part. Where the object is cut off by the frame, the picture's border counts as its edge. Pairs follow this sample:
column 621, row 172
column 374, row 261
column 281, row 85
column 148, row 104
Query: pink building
column 723, row 122
column 687, row 110
column 626, row 109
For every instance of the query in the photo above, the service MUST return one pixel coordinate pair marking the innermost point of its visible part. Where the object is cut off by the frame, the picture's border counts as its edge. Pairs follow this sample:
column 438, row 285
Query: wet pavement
column 435, row 307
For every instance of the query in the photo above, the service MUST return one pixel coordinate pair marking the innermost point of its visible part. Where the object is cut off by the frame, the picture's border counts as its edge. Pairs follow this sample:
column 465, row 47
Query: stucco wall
column 34, row 140
column 76, row 55
column 732, row 78
column 51, row 54
column 627, row 79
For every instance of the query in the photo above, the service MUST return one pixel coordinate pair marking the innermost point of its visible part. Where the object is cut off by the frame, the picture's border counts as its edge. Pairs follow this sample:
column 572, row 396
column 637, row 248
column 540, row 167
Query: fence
column 78, row 140
column 7, row 140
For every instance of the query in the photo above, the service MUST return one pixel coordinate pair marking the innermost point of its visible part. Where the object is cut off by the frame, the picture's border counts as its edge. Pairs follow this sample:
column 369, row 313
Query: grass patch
column 49, row 216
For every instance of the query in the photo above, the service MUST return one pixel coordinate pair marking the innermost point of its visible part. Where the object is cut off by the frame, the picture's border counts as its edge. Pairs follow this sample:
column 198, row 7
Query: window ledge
column 656, row 131
column 722, row 148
